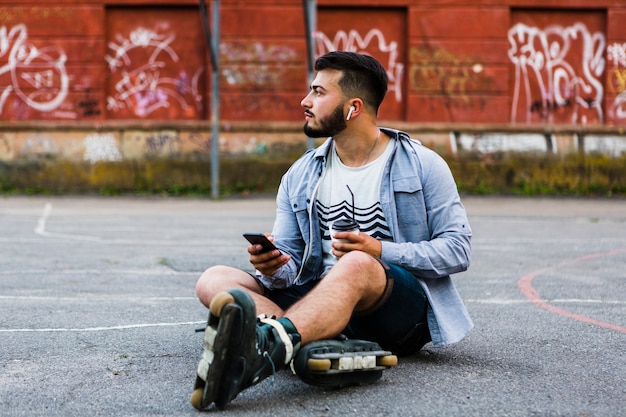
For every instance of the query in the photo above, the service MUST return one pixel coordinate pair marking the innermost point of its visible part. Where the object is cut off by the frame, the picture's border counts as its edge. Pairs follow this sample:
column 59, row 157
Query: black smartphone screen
column 260, row 239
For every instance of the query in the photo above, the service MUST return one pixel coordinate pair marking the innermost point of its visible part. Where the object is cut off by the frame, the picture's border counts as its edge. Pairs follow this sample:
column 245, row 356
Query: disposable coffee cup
column 343, row 225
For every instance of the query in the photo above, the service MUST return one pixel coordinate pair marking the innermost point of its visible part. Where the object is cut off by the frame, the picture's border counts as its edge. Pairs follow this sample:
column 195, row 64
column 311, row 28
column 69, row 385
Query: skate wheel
column 388, row 361
column 318, row 364
column 218, row 303
column 196, row 398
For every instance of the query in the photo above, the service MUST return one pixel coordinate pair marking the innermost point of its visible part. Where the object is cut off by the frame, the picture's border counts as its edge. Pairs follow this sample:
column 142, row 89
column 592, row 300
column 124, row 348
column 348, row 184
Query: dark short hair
column 363, row 76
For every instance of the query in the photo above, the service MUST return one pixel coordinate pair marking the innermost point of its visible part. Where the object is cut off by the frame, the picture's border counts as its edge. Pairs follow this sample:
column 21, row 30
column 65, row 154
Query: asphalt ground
column 98, row 312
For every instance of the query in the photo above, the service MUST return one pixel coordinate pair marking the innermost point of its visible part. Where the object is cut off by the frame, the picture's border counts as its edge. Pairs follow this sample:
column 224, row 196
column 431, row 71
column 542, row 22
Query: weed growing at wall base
column 499, row 173
column 534, row 174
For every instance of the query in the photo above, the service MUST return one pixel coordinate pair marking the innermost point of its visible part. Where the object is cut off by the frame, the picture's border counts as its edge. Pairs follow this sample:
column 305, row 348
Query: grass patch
column 506, row 173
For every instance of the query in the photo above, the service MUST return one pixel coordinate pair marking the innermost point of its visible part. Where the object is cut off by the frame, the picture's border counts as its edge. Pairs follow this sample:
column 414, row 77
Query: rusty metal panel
column 263, row 20
column 262, row 78
column 555, row 63
column 54, row 20
column 262, row 64
column 457, row 81
column 458, row 22
column 477, row 108
column 262, row 106
column 380, row 32
column 155, row 60
column 457, row 64
column 557, row 66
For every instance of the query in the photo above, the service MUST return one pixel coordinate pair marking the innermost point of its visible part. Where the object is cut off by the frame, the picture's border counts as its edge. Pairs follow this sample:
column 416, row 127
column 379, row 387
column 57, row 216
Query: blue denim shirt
column 429, row 225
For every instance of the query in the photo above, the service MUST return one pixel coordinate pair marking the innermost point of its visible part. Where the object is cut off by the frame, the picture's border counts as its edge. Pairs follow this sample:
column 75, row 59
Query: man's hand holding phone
column 264, row 256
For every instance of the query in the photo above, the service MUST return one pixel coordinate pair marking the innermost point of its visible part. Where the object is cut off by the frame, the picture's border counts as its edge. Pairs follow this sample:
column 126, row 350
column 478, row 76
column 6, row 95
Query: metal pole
column 310, row 9
column 213, row 43
column 310, row 22
column 215, row 104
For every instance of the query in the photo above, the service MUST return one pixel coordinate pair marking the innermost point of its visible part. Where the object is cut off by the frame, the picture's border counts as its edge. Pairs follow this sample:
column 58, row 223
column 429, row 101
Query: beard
column 329, row 126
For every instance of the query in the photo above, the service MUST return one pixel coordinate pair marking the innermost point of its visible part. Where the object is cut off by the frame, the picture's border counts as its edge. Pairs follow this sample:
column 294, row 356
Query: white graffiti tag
column 353, row 42
column 547, row 78
column 617, row 54
column 255, row 64
column 141, row 86
column 101, row 147
column 40, row 70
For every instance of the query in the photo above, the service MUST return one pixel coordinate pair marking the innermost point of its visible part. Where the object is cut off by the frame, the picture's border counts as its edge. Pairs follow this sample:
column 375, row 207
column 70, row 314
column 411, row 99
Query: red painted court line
column 525, row 284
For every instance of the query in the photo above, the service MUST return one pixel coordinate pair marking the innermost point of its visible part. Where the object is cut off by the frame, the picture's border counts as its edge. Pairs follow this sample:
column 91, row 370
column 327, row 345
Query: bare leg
column 221, row 278
column 355, row 283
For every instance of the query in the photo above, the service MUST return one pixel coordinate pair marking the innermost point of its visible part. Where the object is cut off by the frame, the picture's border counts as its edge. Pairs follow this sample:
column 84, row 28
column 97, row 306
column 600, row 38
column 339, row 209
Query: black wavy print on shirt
column 371, row 219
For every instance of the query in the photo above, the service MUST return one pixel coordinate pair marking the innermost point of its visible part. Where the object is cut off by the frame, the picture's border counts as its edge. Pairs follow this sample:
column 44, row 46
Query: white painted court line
column 42, row 222
column 41, row 228
column 101, row 329
column 165, row 272
column 196, row 323
column 88, row 297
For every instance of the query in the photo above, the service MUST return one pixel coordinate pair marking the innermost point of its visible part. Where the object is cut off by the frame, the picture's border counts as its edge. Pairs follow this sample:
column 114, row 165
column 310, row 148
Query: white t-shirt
column 335, row 201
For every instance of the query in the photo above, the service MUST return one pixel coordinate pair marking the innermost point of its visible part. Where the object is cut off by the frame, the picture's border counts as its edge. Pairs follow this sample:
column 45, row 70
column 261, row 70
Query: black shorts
column 398, row 321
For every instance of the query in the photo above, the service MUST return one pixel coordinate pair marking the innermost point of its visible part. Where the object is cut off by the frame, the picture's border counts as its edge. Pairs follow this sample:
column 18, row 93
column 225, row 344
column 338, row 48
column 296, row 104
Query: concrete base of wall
column 175, row 159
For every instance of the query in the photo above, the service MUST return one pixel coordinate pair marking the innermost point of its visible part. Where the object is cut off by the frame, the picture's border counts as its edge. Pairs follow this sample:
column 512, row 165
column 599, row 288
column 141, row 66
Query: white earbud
column 352, row 108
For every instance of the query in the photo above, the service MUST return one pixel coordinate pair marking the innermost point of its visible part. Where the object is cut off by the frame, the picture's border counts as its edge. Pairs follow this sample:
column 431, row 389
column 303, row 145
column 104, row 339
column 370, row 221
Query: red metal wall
column 155, row 64
column 513, row 62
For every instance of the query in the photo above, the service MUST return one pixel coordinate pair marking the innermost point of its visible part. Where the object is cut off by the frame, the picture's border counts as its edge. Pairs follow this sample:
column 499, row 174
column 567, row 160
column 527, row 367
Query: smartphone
column 260, row 239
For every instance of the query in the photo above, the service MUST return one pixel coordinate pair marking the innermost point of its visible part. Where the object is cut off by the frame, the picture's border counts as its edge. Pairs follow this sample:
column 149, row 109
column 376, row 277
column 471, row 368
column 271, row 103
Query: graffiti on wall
column 171, row 143
column 36, row 75
column 140, row 86
column 616, row 55
column 454, row 76
column 101, row 147
column 255, row 64
column 373, row 40
column 558, row 70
